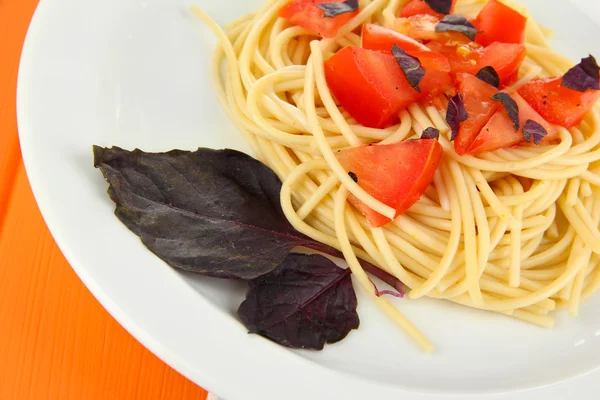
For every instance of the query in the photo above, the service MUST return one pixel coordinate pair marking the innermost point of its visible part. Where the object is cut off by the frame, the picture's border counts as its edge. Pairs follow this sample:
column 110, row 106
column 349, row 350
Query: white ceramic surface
column 134, row 73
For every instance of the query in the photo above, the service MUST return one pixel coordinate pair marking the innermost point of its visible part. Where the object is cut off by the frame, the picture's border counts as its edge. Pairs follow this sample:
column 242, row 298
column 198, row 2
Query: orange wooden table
column 56, row 340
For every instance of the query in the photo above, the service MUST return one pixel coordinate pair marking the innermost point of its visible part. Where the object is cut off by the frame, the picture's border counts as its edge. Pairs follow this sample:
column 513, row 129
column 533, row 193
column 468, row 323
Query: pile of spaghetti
column 512, row 231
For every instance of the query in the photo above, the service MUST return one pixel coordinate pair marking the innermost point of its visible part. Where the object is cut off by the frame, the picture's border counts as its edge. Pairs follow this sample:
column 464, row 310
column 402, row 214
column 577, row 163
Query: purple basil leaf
column 457, row 23
column 411, row 66
column 430, row 133
column 336, row 8
column 583, row 76
column 353, row 176
column 305, row 302
column 534, row 130
column 456, row 114
column 213, row 212
column 489, row 76
column 511, row 107
column 440, row 6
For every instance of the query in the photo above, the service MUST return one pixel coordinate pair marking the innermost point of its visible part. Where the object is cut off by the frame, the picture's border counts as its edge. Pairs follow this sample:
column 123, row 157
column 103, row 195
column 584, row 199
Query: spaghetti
column 514, row 231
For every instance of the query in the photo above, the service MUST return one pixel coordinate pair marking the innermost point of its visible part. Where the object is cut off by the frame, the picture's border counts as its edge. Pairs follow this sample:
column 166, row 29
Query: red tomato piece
column 511, row 80
column 499, row 132
column 470, row 58
column 505, row 58
column 395, row 174
column 500, row 23
column 369, row 85
column 422, row 27
column 437, row 79
column 306, row 14
column 376, row 37
column 416, row 7
column 558, row 104
column 477, row 97
column 436, row 83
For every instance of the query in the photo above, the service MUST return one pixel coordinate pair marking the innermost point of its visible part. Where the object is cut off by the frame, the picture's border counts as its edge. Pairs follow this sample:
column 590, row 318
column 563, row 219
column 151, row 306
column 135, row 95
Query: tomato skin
column 477, row 96
column 558, row 104
column 500, row 23
column 499, row 132
column 504, row 57
column 417, row 7
column 304, row 13
column 376, row 37
column 396, row 174
column 369, row 85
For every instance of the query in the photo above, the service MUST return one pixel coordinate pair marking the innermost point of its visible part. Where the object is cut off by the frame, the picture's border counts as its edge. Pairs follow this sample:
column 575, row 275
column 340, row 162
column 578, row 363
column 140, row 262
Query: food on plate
column 440, row 147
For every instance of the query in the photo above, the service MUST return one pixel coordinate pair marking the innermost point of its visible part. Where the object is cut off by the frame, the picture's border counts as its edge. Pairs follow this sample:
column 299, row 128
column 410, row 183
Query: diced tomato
column 504, row 57
column 370, row 85
column 558, row 104
column 307, row 15
column 376, row 37
column 511, row 80
column 477, row 97
column 527, row 112
column 436, row 83
column 499, row 23
column 422, row 27
column 499, row 132
column 437, row 79
column 416, row 7
column 395, row 174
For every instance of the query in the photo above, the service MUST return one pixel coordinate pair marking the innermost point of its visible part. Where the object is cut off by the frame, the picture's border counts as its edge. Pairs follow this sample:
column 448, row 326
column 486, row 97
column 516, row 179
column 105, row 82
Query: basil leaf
column 456, row 114
column 431, row 133
column 440, row 6
column 336, row 8
column 305, row 302
column 353, row 176
column 583, row 76
column 212, row 212
column 534, row 130
column 411, row 66
column 490, row 76
column 457, row 23
column 512, row 109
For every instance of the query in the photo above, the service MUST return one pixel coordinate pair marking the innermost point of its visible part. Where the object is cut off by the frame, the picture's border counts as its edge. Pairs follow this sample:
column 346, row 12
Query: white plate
column 135, row 74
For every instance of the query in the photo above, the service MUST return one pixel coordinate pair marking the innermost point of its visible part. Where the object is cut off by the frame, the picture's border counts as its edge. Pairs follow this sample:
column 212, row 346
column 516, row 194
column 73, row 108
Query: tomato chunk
column 306, row 14
column 422, row 27
column 499, row 132
column 437, row 79
column 558, row 104
column 369, row 85
column 395, row 174
column 500, row 23
column 470, row 58
column 436, row 83
column 416, row 7
column 477, row 97
column 376, row 37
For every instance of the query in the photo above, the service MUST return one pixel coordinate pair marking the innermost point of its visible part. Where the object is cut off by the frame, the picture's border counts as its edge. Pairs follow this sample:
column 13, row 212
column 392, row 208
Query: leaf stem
column 377, row 272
